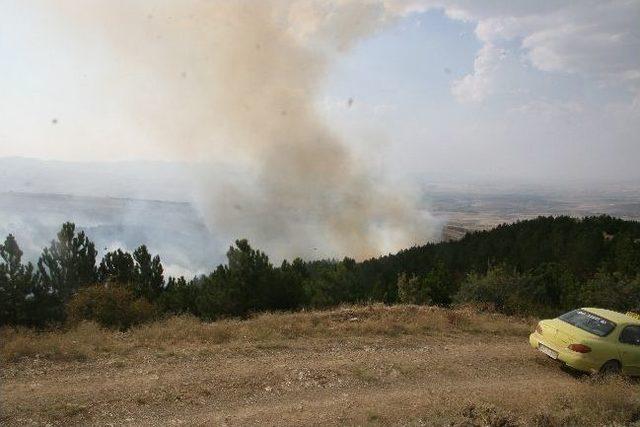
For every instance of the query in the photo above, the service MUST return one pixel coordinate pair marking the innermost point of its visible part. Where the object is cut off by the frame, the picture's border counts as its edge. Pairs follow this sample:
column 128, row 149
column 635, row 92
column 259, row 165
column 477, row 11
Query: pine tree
column 68, row 263
column 17, row 283
column 117, row 266
column 148, row 274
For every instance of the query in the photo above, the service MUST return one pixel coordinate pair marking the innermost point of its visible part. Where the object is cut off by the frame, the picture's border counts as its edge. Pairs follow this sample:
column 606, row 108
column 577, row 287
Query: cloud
column 596, row 39
column 477, row 86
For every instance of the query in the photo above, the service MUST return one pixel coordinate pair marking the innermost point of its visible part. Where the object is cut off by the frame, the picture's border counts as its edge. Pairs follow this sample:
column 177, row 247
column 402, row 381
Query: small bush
column 110, row 305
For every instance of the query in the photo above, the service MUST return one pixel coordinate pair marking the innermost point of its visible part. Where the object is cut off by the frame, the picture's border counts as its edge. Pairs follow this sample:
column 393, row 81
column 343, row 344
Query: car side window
column 630, row 335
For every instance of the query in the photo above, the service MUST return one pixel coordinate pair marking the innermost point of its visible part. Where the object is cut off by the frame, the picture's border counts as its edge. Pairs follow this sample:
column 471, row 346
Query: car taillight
column 539, row 329
column 580, row 348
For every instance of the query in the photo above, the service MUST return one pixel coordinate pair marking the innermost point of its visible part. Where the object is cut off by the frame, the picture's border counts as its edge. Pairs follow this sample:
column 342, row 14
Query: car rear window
column 589, row 322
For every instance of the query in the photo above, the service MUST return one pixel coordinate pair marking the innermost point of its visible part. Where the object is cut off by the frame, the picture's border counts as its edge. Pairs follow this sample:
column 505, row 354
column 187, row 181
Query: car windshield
column 589, row 322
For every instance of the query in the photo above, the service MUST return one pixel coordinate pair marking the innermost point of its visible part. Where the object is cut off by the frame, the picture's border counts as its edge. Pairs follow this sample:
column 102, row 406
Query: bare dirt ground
column 369, row 365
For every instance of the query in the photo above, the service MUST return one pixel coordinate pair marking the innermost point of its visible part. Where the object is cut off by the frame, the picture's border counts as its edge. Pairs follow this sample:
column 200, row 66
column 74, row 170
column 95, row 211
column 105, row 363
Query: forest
column 536, row 267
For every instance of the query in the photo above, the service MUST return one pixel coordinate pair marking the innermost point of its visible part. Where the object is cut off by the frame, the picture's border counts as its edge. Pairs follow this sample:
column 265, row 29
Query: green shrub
column 110, row 305
column 497, row 287
column 611, row 290
column 412, row 290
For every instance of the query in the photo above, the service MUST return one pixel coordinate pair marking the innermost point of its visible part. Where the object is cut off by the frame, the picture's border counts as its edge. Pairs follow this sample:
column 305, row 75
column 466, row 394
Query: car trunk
column 558, row 334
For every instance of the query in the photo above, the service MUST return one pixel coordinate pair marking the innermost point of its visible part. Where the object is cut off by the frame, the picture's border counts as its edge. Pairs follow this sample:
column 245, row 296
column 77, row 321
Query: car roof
column 614, row 316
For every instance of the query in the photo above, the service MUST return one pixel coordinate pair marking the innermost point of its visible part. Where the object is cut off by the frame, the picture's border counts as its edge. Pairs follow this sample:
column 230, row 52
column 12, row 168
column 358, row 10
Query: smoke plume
column 239, row 80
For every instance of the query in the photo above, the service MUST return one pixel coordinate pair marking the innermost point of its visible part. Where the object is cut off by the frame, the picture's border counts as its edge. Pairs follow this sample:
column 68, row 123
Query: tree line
column 541, row 267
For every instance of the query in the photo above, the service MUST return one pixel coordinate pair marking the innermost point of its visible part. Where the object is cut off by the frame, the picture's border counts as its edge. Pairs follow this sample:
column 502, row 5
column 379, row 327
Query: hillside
column 536, row 267
column 350, row 366
column 549, row 262
column 581, row 244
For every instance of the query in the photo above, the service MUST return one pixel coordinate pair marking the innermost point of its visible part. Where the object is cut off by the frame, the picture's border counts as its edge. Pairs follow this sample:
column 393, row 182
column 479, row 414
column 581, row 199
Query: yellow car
column 592, row 340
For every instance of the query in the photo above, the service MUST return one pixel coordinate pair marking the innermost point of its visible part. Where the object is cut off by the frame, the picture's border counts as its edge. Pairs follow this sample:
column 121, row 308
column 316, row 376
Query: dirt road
column 355, row 366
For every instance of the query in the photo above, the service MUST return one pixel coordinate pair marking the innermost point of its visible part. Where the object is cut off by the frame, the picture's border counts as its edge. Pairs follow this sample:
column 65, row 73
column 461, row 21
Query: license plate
column 546, row 350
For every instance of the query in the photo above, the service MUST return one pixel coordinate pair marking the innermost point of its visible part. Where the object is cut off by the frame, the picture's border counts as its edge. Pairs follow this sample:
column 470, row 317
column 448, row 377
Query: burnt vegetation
column 536, row 267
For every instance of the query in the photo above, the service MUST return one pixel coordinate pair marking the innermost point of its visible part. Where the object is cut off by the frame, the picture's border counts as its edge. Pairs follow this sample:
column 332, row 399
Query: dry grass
column 88, row 341
column 83, row 342
column 372, row 365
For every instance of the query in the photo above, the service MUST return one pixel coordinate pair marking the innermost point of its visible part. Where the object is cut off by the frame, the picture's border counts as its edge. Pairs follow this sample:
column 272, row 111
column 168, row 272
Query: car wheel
column 612, row 367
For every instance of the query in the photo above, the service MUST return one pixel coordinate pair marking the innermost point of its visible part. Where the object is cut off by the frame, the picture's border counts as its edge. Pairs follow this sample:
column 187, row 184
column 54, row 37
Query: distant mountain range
column 165, row 181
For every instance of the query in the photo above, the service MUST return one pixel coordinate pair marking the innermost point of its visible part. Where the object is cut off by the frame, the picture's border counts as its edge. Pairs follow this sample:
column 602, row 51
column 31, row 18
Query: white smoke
column 239, row 80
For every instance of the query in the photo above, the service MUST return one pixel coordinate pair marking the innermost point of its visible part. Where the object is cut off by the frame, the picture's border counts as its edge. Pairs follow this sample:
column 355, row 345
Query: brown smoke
column 239, row 79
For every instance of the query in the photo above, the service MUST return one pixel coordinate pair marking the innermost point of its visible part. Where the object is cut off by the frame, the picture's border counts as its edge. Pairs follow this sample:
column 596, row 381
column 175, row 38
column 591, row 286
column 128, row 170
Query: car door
column 629, row 343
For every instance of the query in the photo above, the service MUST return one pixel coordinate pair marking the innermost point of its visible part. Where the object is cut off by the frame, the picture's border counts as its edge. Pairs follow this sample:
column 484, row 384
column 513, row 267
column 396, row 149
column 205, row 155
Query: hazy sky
column 510, row 89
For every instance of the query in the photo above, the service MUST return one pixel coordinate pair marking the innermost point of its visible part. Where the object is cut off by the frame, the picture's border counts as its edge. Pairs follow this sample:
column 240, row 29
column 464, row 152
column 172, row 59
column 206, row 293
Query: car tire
column 612, row 367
